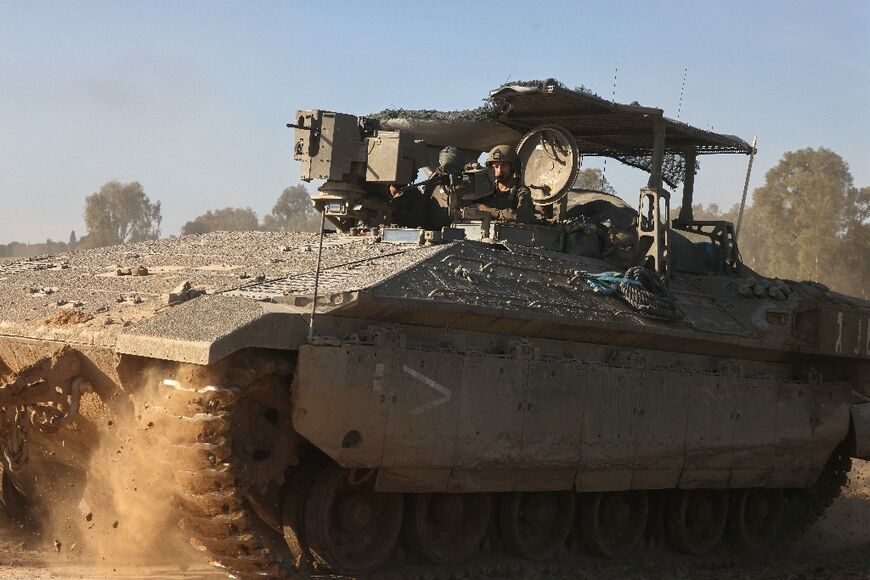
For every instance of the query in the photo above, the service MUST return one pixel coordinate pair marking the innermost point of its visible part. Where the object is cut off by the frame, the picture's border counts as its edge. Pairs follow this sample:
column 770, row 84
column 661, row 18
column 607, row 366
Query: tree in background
column 593, row 178
column 713, row 212
column 292, row 212
column 228, row 219
column 21, row 250
column 851, row 272
column 802, row 216
column 807, row 222
column 119, row 213
column 73, row 242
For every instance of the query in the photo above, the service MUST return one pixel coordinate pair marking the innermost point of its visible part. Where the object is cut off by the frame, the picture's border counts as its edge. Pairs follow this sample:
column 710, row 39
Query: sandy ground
column 838, row 546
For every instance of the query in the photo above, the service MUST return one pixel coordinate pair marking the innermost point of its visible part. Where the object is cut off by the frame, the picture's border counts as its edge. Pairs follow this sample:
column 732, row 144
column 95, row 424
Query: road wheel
column 612, row 524
column 536, row 525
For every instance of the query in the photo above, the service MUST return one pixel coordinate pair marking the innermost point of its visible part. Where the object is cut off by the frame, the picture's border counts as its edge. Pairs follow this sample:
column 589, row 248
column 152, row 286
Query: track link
column 200, row 419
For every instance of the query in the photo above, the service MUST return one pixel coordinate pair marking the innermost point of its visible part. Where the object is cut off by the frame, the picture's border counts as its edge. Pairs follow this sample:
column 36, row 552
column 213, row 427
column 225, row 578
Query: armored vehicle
column 439, row 389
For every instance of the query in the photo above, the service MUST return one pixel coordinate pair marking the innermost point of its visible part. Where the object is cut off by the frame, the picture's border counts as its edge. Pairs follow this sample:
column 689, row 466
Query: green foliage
column 293, row 212
column 119, row 213
column 807, row 222
column 851, row 265
column 228, row 219
column 713, row 212
column 593, row 178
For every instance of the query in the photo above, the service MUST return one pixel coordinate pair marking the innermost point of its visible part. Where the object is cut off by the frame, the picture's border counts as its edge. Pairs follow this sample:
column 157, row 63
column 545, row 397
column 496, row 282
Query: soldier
column 411, row 208
column 510, row 200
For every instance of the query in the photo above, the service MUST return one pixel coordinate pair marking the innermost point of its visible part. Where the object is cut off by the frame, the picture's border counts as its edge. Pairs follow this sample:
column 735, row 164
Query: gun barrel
column 295, row 126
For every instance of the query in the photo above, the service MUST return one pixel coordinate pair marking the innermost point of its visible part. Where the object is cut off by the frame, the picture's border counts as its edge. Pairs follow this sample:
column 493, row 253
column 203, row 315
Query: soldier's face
column 502, row 169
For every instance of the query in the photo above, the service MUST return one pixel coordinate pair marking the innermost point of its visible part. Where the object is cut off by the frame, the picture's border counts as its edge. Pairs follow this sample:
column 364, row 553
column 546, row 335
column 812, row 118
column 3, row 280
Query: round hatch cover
column 550, row 162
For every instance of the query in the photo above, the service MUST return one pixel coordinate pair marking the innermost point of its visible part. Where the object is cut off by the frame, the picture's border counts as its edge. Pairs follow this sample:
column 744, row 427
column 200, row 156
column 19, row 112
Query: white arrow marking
column 446, row 394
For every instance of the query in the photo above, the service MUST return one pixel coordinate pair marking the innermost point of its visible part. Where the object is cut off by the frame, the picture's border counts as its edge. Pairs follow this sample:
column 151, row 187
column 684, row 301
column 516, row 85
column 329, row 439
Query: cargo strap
column 644, row 290
column 607, row 283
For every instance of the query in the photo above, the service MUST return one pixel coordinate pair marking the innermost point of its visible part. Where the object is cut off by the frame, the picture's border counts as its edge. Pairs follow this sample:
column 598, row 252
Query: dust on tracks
column 837, row 546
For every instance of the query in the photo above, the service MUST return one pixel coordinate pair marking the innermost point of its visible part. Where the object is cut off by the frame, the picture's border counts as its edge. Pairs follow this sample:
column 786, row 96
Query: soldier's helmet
column 502, row 153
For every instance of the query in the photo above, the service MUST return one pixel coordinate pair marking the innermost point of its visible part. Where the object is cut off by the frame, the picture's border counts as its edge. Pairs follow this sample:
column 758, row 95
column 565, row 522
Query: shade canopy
column 599, row 126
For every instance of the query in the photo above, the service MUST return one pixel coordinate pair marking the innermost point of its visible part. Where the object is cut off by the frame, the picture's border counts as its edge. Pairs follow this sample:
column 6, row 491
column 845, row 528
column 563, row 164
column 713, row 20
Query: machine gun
column 359, row 161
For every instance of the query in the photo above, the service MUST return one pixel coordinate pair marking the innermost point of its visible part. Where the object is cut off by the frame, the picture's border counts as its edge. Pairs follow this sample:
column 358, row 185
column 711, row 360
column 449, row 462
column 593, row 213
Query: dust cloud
column 846, row 524
column 120, row 511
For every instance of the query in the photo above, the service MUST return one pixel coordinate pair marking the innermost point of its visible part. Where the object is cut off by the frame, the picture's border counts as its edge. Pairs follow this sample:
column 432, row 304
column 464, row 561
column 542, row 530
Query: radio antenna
column 613, row 92
column 613, row 100
column 745, row 188
column 682, row 90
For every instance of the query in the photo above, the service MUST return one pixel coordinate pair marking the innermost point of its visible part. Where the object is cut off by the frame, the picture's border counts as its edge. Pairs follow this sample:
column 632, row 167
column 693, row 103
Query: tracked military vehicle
column 445, row 393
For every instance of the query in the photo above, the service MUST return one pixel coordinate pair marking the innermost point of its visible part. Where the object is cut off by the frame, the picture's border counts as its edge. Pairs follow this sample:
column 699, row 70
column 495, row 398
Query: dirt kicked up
column 838, row 546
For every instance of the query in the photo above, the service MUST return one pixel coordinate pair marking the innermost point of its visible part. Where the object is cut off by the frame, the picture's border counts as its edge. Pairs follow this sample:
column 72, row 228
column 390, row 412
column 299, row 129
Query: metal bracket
column 653, row 225
column 653, row 230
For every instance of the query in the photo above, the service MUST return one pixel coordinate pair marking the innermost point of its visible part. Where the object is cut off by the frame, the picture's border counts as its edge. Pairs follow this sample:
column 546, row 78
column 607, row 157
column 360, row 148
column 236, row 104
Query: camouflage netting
column 539, row 84
column 601, row 127
column 473, row 130
column 482, row 113
column 490, row 110
column 673, row 165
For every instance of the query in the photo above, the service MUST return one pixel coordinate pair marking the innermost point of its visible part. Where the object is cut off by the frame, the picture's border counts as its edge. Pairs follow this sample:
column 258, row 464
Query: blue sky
column 190, row 98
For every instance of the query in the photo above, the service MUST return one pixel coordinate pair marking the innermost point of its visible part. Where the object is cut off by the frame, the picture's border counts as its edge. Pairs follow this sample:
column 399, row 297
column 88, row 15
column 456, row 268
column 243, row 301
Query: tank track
column 228, row 504
column 219, row 490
